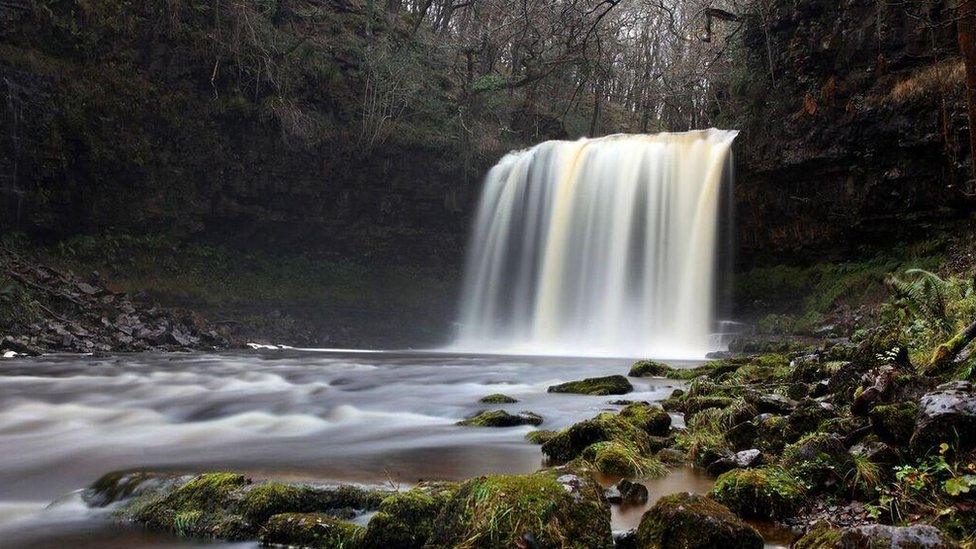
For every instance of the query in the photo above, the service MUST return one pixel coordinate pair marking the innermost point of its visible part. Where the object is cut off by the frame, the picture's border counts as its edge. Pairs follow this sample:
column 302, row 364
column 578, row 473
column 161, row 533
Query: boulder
column 875, row 536
column 946, row 415
column 572, row 441
column 773, row 404
column 807, row 416
column 620, row 459
column 501, row 418
column 627, row 492
column 894, row 423
column 540, row 437
column 652, row 420
column 559, row 507
column 739, row 460
column 407, row 520
column 687, row 521
column 609, row 385
column 820, row 459
column 649, row 368
column 760, row 493
column 497, row 398
column 626, row 539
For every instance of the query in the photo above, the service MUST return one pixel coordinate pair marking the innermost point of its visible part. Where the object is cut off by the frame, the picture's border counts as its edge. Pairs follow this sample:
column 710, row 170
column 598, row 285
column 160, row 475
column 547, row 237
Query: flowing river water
column 370, row 418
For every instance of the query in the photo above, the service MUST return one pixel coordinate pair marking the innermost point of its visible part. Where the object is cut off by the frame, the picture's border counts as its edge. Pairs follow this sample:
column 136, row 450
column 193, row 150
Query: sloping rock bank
column 43, row 309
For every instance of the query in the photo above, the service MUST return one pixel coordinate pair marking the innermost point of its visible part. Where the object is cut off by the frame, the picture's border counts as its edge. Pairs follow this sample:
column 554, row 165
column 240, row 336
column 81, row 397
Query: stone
column 501, row 418
column 946, row 415
column 608, row 385
column 687, row 521
column 915, row 536
column 760, row 493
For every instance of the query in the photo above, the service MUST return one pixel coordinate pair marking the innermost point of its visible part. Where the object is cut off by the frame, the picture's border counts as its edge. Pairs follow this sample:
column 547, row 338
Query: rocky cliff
column 854, row 126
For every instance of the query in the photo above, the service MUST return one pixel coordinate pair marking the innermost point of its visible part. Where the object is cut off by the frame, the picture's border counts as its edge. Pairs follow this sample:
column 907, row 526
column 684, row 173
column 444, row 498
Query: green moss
column 500, row 418
column 497, row 398
column 310, row 530
column 557, row 508
column 616, row 458
column 271, row 498
column 687, row 520
column 654, row 421
column 570, row 442
column 198, row 504
column 696, row 404
column 608, row 385
column 767, row 492
column 894, row 423
column 540, row 437
column 649, row 368
column 820, row 536
column 820, row 459
column 405, row 520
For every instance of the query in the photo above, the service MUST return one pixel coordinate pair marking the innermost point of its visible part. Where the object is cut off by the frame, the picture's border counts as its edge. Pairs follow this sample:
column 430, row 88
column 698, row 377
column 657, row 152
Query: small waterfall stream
column 598, row 247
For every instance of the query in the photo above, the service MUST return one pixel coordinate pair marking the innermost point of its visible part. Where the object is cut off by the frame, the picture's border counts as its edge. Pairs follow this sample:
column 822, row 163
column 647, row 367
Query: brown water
column 370, row 418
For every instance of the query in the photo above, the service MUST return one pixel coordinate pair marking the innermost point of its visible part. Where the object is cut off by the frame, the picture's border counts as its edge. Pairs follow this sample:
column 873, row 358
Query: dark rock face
column 694, row 522
column 946, row 415
column 849, row 124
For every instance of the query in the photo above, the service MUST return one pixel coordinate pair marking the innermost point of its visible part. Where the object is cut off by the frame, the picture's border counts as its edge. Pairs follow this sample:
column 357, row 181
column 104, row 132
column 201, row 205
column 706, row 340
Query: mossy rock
column 871, row 536
column 653, row 420
column 820, row 459
column 771, row 433
column 687, row 521
column 671, row 456
column 820, row 536
column 697, row 404
column 407, row 519
column 501, row 418
column 541, row 436
column 807, row 417
column 260, row 501
column 894, row 423
column 570, row 442
column 619, row 459
column 195, row 507
column 608, row 385
column 765, row 492
column 497, row 398
column 649, row 368
column 122, row 485
column 551, row 508
column 310, row 530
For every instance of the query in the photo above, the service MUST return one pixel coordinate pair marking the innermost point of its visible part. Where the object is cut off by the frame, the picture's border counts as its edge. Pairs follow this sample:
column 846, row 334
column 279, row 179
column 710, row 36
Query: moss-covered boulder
column 619, row 459
column 807, row 417
column 310, row 530
column 771, row 433
column 671, row 456
column 820, row 459
column 608, row 385
column 914, row 536
column 196, row 507
column 696, row 404
column 407, row 520
column 649, row 368
column 766, row 492
column 497, row 398
column 687, row 521
column 551, row 508
column 570, row 442
column 653, row 420
column 541, row 436
column 894, row 423
column 501, row 418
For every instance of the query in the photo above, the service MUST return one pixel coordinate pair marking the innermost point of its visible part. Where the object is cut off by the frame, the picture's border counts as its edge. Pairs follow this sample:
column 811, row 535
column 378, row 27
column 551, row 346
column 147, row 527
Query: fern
column 925, row 294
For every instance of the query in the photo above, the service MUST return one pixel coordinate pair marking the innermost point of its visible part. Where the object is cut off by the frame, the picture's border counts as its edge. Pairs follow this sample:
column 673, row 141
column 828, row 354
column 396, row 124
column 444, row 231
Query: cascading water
column 598, row 247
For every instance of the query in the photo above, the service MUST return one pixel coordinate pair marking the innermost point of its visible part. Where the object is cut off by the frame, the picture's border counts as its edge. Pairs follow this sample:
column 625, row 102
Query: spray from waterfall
column 598, row 247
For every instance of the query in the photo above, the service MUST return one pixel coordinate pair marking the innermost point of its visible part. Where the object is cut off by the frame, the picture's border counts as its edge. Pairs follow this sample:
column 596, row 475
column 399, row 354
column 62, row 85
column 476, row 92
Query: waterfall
column 598, row 247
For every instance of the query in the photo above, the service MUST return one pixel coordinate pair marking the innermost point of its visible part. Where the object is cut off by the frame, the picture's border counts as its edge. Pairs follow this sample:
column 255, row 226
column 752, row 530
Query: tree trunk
column 966, row 27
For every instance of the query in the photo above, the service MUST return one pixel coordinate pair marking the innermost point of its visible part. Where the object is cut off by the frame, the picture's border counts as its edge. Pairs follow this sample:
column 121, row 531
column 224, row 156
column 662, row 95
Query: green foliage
column 615, row 458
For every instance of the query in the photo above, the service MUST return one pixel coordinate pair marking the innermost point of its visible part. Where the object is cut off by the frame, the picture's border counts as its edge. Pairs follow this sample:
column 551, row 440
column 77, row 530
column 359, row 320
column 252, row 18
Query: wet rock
column 760, row 493
column 653, row 420
column 19, row 345
column 773, row 404
column 501, row 418
column 915, row 536
column 742, row 435
column 310, row 530
column 684, row 521
column 649, row 368
column 553, row 508
column 572, row 441
column 946, row 415
column 670, row 456
column 739, row 460
column 622, row 459
column 627, row 492
column 807, row 417
column 497, row 398
column 609, row 385
column 626, row 539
